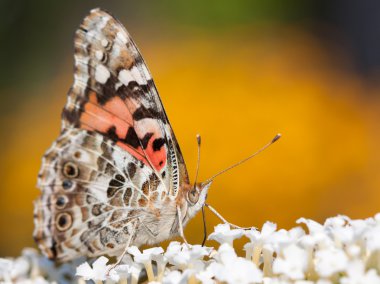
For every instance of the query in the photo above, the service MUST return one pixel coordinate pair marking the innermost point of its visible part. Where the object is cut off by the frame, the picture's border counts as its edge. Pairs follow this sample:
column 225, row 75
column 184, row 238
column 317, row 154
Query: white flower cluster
column 339, row 251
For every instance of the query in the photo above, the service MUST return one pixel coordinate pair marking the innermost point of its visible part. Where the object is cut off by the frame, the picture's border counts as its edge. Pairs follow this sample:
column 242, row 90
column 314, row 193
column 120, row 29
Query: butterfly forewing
column 116, row 160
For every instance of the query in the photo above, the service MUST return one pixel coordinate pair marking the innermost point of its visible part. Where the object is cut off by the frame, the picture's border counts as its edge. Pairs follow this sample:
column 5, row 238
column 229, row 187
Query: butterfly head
column 196, row 197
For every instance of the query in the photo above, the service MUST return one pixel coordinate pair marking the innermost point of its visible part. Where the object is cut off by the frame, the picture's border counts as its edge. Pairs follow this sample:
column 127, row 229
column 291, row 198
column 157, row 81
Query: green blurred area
column 235, row 71
column 35, row 33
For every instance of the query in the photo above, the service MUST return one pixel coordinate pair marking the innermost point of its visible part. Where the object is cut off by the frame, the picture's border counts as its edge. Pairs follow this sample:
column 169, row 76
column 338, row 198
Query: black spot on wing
column 72, row 116
column 53, row 249
column 127, row 195
column 96, row 209
column 120, row 178
column 111, row 133
column 131, row 138
column 106, row 91
column 111, row 191
column 113, row 186
column 83, row 29
column 145, row 139
column 131, row 170
column 158, row 143
column 145, row 187
column 116, row 183
column 143, row 112
column 133, row 90
column 153, row 181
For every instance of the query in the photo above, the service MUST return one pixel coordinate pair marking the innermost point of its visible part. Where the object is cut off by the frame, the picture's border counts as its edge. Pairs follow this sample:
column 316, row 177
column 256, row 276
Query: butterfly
column 116, row 172
column 115, row 176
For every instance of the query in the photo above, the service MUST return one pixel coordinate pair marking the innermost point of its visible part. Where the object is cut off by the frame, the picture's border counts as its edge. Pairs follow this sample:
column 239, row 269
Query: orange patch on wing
column 137, row 153
column 157, row 158
column 112, row 114
column 117, row 114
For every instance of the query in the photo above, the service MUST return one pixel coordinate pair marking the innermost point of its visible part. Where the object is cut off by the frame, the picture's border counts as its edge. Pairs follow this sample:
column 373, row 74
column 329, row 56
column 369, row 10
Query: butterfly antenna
column 278, row 136
column 199, row 158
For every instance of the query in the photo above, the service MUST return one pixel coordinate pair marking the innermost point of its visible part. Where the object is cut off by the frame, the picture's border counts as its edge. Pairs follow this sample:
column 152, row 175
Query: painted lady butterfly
column 116, row 170
column 115, row 176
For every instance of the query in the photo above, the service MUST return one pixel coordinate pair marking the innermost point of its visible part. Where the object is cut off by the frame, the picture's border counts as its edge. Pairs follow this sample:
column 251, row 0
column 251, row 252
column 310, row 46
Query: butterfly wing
column 114, row 94
column 92, row 191
column 117, row 154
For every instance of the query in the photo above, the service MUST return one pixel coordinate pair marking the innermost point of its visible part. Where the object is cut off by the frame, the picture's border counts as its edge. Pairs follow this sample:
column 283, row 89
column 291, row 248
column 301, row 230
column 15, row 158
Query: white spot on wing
column 102, row 74
column 120, row 36
column 137, row 75
column 81, row 76
column 99, row 55
column 146, row 72
column 118, row 85
column 103, row 22
column 125, row 77
column 104, row 42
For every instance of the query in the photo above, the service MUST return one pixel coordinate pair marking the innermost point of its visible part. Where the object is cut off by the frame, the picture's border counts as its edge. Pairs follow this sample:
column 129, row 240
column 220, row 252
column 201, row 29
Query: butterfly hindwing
column 92, row 192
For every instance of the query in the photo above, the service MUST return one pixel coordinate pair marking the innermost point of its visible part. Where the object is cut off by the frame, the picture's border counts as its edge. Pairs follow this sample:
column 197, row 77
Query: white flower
column 173, row 277
column 146, row 256
column 5, row 269
column 205, row 276
column 372, row 238
column 173, row 249
column 353, row 251
column 356, row 274
column 340, row 251
column 377, row 218
column 317, row 235
column 260, row 238
column 323, row 281
column 292, row 262
column 234, row 269
column 225, row 252
column 223, row 234
column 360, row 226
column 336, row 222
column 177, row 277
column 98, row 272
column 282, row 238
column 129, row 268
column 313, row 227
column 330, row 261
column 273, row 280
column 184, row 257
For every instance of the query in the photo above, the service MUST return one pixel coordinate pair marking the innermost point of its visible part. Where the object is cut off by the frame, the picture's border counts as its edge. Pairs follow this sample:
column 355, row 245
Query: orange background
column 236, row 79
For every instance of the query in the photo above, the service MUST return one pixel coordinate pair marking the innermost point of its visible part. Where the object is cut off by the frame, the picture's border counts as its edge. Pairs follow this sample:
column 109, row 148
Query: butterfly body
column 116, row 170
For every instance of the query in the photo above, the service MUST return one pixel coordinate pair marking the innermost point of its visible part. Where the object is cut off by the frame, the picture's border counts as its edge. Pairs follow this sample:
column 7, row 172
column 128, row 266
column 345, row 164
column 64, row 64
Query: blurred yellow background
column 237, row 72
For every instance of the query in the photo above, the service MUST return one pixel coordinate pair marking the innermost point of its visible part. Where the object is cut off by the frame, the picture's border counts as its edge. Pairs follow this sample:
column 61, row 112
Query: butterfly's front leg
column 181, row 232
column 224, row 220
column 131, row 236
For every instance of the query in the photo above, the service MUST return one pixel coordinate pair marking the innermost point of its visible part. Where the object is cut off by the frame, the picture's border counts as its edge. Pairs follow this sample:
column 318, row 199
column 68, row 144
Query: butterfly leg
column 133, row 233
column 181, row 233
column 223, row 219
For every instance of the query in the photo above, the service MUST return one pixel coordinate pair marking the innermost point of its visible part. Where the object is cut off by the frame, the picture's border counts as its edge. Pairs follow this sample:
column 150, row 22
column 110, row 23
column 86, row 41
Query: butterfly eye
column 70, row 170
column 193, row 196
